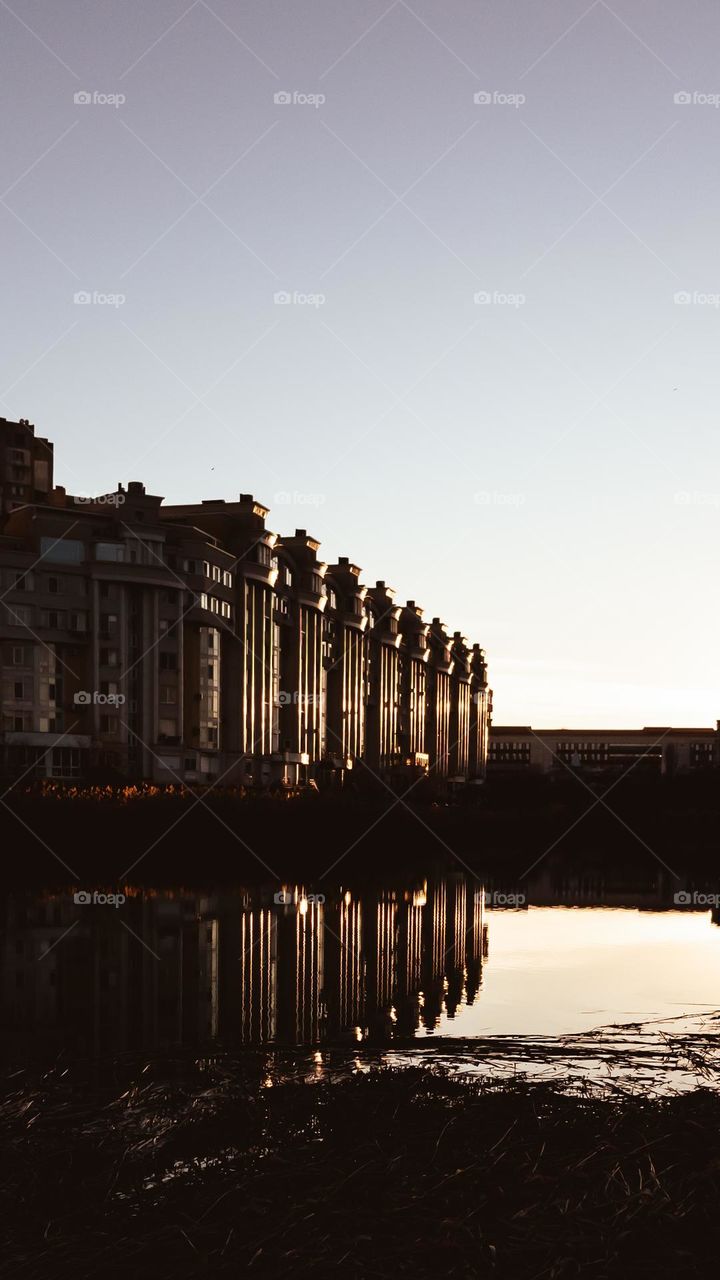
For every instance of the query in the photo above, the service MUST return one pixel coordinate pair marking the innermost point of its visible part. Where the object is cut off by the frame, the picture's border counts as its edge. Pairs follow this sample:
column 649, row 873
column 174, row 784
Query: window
column 203, row 601
column 62, row 550
column 19, row 615
column 168, row 662
column 65, row 762
column 108, row 658
column 110, row 551
column 23, row 581
column 206, row 568
column 53, row 586
column 168, row 728
column 54, row 618
column 264, row 554
column 18, row 656
column 216, row 573
column 108, row 725
column 78, row 622
column 227, row 579
column 168, row 694
column 19, row 689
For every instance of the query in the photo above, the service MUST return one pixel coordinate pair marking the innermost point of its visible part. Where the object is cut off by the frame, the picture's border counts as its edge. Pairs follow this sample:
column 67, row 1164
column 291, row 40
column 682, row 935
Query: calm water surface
column 377, row 966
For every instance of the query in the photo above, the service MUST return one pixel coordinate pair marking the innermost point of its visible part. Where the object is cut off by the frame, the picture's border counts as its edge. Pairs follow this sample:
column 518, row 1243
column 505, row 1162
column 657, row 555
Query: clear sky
column 539, row 467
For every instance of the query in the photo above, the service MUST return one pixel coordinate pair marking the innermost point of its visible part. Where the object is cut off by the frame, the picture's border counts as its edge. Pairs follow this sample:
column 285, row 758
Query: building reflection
column 238, row 968
column 251, row 968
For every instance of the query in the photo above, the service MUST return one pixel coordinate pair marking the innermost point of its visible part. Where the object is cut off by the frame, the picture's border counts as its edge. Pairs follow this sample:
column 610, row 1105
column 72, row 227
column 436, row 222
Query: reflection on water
column 373, row 966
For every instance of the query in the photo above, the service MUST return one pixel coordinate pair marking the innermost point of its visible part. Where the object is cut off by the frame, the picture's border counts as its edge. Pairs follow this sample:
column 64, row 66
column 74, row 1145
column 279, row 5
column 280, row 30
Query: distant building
column 520, row 749
column 190, row 643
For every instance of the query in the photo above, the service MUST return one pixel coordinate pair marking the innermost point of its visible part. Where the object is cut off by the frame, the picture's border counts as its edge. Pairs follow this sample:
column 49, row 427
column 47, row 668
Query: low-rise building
column 522, row 750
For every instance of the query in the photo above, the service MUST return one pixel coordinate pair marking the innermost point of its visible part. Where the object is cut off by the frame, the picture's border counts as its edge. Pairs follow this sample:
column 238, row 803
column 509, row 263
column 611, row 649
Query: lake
column 452, row 957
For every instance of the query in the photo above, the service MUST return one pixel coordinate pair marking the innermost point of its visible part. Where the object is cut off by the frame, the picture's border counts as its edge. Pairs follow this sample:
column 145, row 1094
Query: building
column 191, row 643
column 522, row 750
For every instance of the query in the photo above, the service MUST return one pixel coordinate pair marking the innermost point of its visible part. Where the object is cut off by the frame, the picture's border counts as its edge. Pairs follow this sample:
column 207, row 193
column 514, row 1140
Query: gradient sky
column 545, row 475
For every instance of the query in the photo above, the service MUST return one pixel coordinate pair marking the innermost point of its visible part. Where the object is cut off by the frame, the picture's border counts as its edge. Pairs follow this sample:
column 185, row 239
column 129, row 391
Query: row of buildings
column 145, row 641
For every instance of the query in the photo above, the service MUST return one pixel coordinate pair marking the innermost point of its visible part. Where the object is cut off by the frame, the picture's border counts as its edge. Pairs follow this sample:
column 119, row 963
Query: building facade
column 190, row 643
column 554, row 752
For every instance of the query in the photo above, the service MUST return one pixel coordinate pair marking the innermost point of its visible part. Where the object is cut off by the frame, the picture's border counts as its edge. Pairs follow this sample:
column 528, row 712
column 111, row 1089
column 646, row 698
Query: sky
column 438, row 282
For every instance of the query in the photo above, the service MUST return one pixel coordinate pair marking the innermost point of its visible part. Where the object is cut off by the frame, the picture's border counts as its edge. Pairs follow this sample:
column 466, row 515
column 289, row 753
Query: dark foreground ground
column 186, row 1170
column 105, row 835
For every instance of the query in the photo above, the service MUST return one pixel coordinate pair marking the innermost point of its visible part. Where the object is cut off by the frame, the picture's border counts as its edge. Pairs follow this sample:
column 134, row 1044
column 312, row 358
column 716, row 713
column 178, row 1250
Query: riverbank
column 105, row 834
column 178, row 1168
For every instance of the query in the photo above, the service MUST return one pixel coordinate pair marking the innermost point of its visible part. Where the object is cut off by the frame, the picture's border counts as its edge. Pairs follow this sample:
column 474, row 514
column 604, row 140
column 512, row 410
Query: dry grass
column 181, row 1168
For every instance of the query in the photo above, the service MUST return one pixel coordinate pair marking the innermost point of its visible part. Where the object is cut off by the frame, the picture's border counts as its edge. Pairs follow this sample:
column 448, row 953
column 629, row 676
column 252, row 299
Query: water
column 423, row 963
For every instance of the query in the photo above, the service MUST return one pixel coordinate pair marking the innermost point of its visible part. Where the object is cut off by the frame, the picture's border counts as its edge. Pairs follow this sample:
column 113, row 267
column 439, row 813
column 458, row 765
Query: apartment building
column 145, row 640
